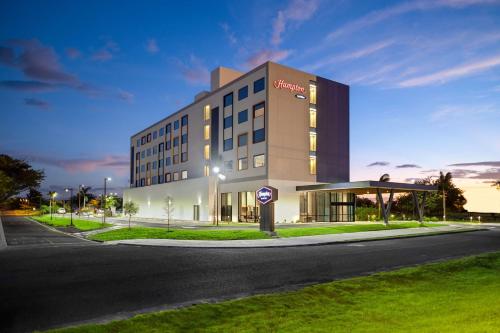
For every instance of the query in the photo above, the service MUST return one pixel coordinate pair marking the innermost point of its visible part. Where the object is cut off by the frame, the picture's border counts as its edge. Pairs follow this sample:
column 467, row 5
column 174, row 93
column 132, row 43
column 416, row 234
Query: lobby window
column 161, row 131
column 243, row 93
column 184, row 138
column 312, row 141
column 206, row 170
column 225, row 207
column 184, row 120
column 206, row 132
column 228, row 144
column 184, row 157
column 228, row 100
column 168, row 177
column 312, row 92
column 176, row 141
column 243, row 163
column 155, row 135
column 176, row 159
column 206, row 112
column 206, row 152
column 259, row 161
column 228, row 122
column 312, row 165
column 149, row 137
column 176, row 176
column 248, row 207
column 184, row 174
column 176, row 125
column 168, row 161
column 242, row 140
column 312, row 117
column 242, row 116
column 259, row 85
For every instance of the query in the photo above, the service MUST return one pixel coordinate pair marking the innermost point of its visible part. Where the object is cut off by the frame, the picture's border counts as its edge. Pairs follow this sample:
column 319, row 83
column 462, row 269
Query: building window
column 228, row 122
column 206, row 112
column 161, row 131
column 184, row 120
column 226, row 210
column 160, row 179
column 228, row 100
column 259, row 135
column 176, row 125
column 259, row 85
column 176, row 159
column 184, row 138
column 168, row 161
column 242, row 140
column 312, row 141
column 248, row 207
column 168, row 178
column 160, row 163
column 184, row 174
column 142, row 181
column 259, row 161
column 137, row 155
column 259, row 110
column 143, row 140
column 168, row 145
column 228, row 165
column 160, row 147
column 148, row 166
column 176, row 176
column 155, row 180
column 243, row 93
column 154, row 150
column 206, row 132
column 242, row 116
column 154, row 165
column 312, row 92
column 206, row 170
column 138, row 142
column 312, row 117
column 143, row 154
column 243, row 163
column 149, row 152
column 155, row 135
column 149, row 137
column 143, row 168
column 176, row 141
column 184, row 157
column 168, row 129
column 312, row 165
column 228, row 144
column 206, row 152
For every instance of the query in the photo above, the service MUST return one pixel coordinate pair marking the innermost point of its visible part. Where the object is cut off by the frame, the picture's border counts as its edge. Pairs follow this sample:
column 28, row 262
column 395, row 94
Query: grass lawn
column 142, row 232
column 83, row 225
column 453, row 296
column 305, row 231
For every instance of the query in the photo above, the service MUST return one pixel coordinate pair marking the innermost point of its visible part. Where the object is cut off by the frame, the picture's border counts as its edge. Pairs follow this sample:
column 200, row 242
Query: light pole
column 70, row 190
column 80, row 187
column 52, row 196
column 443, row 195
column 220, row 176
column 103, row 201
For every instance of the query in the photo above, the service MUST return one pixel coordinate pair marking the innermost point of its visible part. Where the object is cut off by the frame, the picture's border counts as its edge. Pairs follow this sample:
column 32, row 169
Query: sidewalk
column 301, row 241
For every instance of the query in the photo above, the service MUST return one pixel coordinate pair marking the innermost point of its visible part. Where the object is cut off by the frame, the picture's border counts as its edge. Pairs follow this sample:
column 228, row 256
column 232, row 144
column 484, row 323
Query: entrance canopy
column 378, row 188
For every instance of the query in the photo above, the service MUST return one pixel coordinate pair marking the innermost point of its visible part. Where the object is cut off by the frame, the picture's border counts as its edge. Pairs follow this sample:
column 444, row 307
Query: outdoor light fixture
column 103, row 204
column 299, row 96
column 216, row 169
column 222, row 177
column 70, row 190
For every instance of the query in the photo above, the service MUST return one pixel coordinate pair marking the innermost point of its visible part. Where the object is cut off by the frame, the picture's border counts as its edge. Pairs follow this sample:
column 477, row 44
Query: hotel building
column 274, row 126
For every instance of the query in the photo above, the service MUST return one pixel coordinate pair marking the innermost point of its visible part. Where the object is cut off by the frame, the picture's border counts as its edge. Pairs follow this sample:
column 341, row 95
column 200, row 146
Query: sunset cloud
column 37, row 103
column 488, row 163
column 266, row 55
column 32, row 86
column 296, row 11
column 194, row 71
column 380, row 163
column 406, row 166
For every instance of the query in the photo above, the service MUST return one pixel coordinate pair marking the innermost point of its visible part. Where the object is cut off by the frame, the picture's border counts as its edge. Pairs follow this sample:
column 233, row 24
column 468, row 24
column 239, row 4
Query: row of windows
column 259, row 135
column 167, row 129
column 258, row 86
column 312, row 128
column 167, row 178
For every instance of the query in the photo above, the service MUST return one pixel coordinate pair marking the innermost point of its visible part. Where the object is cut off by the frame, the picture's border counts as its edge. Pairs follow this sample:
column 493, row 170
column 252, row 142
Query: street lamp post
column 103, row 201
column 443, row 195
column 70, row 190
column 80, row 187
column 52, row 196
column 220, row 176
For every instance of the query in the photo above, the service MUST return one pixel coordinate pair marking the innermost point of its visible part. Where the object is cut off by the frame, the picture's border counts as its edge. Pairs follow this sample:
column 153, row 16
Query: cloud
column 194, row 71
column 126, row 96
column 381, row 163
column 488, row 163
column 296, row 11
column 231, row 37
column 448, row 111
column 106, row 52
column 32, row 86
column 405, row 166
column 37, row 103
column 7, row 56
column 452, row 73
column 266, row 55
column 152, row 46
column 73, row 53
column 492, row 173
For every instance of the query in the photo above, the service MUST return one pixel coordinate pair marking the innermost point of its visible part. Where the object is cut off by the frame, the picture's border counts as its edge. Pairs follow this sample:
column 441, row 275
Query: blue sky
column 78, row 78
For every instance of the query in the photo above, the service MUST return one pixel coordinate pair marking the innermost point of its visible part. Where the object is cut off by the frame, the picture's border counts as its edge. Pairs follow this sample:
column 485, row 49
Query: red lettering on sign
column 281, row 84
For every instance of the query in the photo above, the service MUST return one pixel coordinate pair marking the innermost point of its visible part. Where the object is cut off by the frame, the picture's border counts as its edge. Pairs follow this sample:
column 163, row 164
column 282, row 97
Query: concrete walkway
column 301, row 241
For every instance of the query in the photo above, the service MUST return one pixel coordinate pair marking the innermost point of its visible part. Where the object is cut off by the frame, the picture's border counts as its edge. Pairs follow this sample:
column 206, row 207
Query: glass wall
column 325, row 206
column 226, row 209
column 248, row 209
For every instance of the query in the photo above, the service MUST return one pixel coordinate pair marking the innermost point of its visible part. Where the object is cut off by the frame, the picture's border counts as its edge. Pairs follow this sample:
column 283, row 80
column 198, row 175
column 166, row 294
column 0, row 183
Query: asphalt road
column 43, row 286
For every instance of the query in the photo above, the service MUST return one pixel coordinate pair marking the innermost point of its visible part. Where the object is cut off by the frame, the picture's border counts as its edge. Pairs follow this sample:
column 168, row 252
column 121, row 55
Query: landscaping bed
column 63, row 223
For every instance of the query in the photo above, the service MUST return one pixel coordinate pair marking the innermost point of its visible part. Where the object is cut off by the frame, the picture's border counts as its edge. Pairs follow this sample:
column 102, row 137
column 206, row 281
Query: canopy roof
column 368, row 187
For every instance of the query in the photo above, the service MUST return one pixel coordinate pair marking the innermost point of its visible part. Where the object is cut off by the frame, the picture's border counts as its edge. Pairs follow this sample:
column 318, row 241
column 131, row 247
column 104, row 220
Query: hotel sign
column 293, row 87
column 266, row 195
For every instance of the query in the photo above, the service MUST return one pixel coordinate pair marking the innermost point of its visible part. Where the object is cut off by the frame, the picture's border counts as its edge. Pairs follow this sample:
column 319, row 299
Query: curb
column 3, row 240
column 319, row 243
column 59, row 231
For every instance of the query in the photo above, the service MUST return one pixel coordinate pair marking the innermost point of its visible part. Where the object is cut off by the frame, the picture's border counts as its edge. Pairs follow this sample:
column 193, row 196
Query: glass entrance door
column 248, row 209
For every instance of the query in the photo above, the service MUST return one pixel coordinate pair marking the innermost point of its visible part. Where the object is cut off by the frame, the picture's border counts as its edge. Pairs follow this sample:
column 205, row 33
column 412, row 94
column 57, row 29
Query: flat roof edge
column 367, row 184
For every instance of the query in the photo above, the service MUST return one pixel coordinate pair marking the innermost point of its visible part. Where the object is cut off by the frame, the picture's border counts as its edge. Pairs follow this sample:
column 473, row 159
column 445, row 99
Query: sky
column 78, row 78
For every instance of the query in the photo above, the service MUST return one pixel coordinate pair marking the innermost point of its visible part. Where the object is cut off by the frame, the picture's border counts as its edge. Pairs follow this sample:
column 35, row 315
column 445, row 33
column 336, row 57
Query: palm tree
column 83, row 193
column 496, row 184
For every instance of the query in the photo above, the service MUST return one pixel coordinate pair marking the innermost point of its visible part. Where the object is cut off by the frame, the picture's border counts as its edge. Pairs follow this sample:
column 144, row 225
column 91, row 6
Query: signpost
column 266, row 196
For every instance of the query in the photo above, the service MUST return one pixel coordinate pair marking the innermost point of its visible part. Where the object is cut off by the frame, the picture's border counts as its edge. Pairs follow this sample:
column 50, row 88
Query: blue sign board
column 266, row 195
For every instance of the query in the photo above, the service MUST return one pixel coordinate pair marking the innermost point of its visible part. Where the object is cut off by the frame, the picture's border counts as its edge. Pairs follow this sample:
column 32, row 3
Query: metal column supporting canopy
column 386, row 208
column 419, row 206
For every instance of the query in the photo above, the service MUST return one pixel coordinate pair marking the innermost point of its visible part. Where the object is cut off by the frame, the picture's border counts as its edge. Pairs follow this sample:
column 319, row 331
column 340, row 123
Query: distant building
column 274, row 126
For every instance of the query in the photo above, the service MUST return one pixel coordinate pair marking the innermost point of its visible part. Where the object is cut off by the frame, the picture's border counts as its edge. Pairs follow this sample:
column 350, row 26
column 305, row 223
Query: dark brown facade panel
column 332, row 131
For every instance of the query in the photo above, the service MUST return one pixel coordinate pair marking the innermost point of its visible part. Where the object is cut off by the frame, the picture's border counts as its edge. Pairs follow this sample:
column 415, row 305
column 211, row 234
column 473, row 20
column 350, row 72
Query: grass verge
column 454, row 296
column 156, row 233
column 83, row 225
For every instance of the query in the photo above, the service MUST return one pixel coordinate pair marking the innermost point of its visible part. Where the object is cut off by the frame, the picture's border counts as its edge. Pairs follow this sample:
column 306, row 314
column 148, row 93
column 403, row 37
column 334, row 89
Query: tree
column 84, row 193
column 384, row 178
column 17, row 176
column 496, row 184
column 364, row 202
column 130, row 208
column 169, row 210
column 34, row 197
